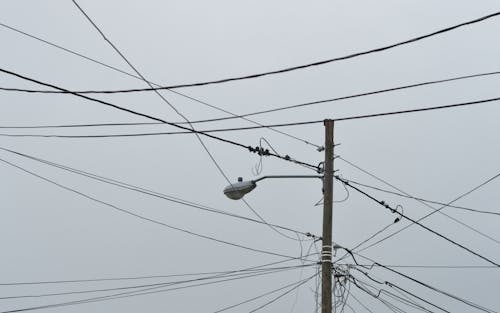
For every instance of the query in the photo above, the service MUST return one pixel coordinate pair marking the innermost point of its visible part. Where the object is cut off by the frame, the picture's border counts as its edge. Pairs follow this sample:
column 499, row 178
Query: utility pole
column 326, row 251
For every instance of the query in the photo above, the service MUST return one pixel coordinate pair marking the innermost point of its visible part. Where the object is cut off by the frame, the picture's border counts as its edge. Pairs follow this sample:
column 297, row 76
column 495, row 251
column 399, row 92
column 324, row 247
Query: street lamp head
column 237, row 190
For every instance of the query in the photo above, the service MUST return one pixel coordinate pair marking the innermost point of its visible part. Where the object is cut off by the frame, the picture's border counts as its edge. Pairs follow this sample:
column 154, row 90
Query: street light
column 237, row 190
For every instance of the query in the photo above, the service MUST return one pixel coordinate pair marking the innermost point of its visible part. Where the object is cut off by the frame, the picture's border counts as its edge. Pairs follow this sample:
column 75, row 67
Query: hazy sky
column 50, row 234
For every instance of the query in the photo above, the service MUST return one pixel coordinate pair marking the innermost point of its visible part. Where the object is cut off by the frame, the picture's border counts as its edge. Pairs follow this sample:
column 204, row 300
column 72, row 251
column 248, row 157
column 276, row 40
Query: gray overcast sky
column 48, row 233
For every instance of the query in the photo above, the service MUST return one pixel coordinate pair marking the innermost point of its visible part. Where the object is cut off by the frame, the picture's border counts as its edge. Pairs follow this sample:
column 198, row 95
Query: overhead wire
column 264, row 294
column 242, row 274
column 361, row 303
column 341, row 288
column 159, row 284
column 282, row 295
column 404, row 300
column 417, row 222
column 108, row 279
column 404, row 292
column 141, row 216
column 384, row 228
column 430, row 266
column 387, row 304
column 422, row 199
column 128, row 294
column 429, row 214
column 137, row 76
column 456, row 220
column 202, row 143
column 378, row 294
column 419, row 282
column 350, row 307
column 250, row 148
column 317, row 63
column 363, row 94
column 81, row 125
column 144, row 115
column 178, row 93
column 434, row 210
column 317, row 271
column 149, row 192
column 448, row 106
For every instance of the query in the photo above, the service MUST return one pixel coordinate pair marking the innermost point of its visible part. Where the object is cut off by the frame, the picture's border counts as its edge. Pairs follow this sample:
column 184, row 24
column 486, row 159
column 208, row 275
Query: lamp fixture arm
column 287, row 176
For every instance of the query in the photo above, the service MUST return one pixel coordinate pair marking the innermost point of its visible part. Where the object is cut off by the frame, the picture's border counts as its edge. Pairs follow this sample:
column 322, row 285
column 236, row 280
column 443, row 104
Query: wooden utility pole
column 326, row 251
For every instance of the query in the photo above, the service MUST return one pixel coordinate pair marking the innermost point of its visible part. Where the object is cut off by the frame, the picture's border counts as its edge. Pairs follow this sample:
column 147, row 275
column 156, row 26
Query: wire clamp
column 326, row 254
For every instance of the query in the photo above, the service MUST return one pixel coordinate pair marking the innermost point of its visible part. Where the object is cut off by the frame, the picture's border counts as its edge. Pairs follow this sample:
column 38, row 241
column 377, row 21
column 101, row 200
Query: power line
column 147, row 191
column 449, row 106
column 157, row 85
column 467, row 302
column 249, row 148
column 128, row 294
column 477, row 231
column 243, row 274
column 108, row 279
column 423, row 202
column 361, row 303
column 406, row 300
column 215, row 162
column 434, row 211
column 82, row 125
column 202, row 143
column 371, row 237
column 255, row 150
column 282, row 295
column 126, row 135
column 381, row 291
column 404, row 291
column 389, row 305
column 421, row 199
column 363, row 94
column 264, row 294
column 430, row 266
column 358, row 95
column 143, row 217
column 382, row 203
column 398, row 288
column 313, row 64
column 122, row 134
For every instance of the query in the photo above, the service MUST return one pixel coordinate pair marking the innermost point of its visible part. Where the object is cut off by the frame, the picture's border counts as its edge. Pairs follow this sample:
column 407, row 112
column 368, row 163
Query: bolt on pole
column 326, row 251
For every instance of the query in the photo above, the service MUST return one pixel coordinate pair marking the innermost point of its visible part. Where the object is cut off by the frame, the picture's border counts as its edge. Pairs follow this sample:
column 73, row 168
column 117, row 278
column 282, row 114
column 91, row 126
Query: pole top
column 327, row 121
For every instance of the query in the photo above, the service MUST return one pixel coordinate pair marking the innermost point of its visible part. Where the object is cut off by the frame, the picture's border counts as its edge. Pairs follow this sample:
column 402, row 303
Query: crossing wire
column 244, row 116
column 107, row 279
column 265, row 294
column 382, row 203
column 404, row 300
column 128, row 294
column 159, row 284
column 189, row 232
column 426, row 285
column 157, row 85
column 164, row 99
column 148, row 192
column 422, row 199
column 313, row 64
column 249, row 148
column 433, row 212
